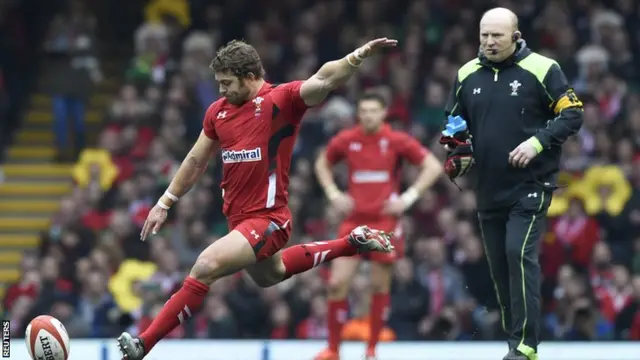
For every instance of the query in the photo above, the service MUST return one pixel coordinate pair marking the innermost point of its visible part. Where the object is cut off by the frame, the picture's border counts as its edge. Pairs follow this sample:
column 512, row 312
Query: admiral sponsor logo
column 238, row 156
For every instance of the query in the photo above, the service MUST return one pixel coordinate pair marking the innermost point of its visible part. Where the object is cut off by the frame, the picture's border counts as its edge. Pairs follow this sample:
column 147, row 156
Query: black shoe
column 514, row 354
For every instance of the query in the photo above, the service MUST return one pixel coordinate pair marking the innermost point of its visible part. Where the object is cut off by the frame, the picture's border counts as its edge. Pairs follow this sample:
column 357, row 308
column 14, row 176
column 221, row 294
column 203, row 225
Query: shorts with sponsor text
column 267, row 233
column 388, row 225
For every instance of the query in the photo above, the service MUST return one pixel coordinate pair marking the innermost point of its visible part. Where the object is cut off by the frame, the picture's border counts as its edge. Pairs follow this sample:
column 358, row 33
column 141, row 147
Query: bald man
column 519, row 110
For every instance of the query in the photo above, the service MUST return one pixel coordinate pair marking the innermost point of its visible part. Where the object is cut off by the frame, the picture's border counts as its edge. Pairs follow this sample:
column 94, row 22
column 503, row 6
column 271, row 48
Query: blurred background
column 101, row 99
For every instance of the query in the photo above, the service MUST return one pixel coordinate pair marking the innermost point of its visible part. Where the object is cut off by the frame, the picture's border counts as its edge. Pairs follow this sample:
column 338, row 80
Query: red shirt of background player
column 374, row 162
column 264, row 128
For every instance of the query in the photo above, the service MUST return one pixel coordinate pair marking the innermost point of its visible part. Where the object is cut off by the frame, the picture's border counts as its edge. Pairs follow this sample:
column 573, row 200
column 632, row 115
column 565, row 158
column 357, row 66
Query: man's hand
column 394, row 207
column 156, row 218
column 374, row 47
column 397, row 205
column 522, row 155
column 456, row 139
column 459, row 160
column 341, row 202
column 335, row 74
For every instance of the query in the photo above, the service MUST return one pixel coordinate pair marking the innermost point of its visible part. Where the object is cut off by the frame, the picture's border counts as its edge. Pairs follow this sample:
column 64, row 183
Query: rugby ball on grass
column 47, row 339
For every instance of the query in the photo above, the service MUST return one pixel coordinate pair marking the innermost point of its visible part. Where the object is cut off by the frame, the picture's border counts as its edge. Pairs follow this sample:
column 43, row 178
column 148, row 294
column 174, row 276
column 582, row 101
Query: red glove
column 460, row 158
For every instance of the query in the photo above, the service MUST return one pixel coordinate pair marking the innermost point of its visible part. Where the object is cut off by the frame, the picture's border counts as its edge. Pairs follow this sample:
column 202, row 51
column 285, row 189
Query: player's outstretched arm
column 335, row 74
column 192, row 167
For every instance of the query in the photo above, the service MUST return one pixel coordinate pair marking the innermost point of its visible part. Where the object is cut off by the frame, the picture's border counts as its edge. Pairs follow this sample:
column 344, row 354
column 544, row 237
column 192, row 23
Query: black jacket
column 505, row 104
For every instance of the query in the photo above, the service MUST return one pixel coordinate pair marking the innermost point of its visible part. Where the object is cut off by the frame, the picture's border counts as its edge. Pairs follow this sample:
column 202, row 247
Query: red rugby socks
column 301, row 258
column 179, row 308
column 337, row 316
column 377, row 318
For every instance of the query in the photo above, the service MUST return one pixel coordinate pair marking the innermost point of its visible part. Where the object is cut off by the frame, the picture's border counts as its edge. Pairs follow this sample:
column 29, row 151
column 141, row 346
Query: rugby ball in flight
column 47, row 339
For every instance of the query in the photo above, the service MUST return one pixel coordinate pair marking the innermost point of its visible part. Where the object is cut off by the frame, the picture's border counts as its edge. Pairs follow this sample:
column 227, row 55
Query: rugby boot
column 365, row 240
column 131, row 347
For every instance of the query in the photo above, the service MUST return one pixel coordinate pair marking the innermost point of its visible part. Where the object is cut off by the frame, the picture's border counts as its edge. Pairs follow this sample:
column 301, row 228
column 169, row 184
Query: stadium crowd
column 94, row 274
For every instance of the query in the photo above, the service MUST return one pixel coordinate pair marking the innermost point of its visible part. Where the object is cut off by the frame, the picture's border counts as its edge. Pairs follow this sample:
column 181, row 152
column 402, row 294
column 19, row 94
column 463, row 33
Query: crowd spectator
column 107, row 280
column 71, row 48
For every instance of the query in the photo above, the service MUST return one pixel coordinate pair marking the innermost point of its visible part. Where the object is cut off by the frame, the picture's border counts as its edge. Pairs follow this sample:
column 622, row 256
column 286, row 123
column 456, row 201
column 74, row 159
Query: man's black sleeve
column 454, row 105
column 566, row 107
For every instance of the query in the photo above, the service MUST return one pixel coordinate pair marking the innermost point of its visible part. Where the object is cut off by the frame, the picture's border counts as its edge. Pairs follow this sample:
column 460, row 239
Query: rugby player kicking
column 254, row 125
column 373, row 152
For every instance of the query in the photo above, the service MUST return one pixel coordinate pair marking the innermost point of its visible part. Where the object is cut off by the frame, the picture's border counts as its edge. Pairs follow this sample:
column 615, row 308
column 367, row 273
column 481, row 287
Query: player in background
column 254, row 125
column 373, row 152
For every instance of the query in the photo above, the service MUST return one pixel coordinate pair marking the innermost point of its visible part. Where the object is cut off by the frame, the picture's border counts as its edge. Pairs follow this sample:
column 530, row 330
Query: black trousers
column 511, row 238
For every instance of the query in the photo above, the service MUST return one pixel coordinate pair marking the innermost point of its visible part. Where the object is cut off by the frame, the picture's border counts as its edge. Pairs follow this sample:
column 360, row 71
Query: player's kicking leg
column 226, row 256
column 235, row 252
column 300, row 258
column 343, row 270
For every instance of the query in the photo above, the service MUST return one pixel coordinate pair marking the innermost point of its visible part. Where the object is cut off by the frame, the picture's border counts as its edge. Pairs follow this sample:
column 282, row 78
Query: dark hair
column 374, row 96
column 238, row 58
